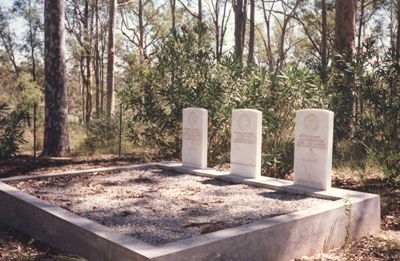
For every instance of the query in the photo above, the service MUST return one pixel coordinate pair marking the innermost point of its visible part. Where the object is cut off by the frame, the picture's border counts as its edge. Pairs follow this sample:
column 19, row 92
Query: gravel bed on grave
column 159, row 206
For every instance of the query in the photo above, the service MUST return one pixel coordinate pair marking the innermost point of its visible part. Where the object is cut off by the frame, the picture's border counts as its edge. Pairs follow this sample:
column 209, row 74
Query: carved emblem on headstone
column 193, row 119
column 244, row 122
column 311, row 123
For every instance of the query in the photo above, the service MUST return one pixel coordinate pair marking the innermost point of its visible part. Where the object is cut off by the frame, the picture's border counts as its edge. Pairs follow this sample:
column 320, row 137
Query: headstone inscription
column 194, row 140
column 313, row 148
column 246, row 135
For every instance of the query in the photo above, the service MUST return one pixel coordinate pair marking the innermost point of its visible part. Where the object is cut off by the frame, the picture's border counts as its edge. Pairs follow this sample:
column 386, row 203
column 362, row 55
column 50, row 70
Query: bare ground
column 384, row 246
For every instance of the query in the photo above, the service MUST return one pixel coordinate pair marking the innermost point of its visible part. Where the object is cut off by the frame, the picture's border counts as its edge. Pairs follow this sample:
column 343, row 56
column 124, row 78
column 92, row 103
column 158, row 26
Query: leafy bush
column 377, row 101
column 185, row 74
column 11, row 131
column 102, row 132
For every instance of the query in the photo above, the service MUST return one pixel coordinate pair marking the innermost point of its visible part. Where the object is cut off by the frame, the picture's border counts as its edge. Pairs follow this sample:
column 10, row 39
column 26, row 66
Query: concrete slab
column 350, row 215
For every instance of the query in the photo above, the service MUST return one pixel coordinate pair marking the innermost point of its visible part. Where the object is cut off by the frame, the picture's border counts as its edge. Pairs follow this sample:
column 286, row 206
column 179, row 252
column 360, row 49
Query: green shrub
column 102, row 133
column 11, row 131
column 377, row 101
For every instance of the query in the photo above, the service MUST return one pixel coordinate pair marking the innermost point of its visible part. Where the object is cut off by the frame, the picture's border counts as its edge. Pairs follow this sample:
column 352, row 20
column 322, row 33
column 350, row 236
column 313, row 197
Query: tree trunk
column 398, row 31
column 239, row 8
column 96, row 63
column 200, row 19
column 344, row 45
column 31, row 42
column 141, row 32
column 6, row 38
column 56, row 141
column 360, row 25
column 345, row 28
column 267, row 20
column 324, row 42
column 172, row 4
column 110, row 57
column 88, row 60
column 252, row 32
column 220, row 26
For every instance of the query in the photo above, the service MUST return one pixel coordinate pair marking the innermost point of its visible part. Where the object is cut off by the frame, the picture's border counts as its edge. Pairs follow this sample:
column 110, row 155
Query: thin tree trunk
column 83, row 84
column 56, row 141
column 252, row 32
column 172, row 6
column 398, row 31
column 97, row 57
column 141, row 32
column 88, row 55
column 111, row 55
column 324, row 42
column 6, row 39
column 360, row 25
column 267, row 20
column 31, row 43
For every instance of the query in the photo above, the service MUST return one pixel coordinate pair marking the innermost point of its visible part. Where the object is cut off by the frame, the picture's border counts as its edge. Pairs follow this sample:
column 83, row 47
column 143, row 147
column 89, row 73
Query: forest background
column 275, row 56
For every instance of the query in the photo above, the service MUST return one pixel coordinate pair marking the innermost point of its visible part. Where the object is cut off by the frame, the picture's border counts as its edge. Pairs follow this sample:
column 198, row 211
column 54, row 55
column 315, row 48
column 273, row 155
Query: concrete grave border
column 349, row 216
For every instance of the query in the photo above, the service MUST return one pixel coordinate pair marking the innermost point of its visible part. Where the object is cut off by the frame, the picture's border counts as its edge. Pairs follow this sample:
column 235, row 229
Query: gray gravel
column 159, row 206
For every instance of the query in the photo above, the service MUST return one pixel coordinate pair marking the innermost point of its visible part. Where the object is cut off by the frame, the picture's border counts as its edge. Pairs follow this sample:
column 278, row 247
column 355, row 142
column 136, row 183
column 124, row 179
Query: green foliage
column 102, row 132
column 376, row 107
column 186, row 74
column 11, row 131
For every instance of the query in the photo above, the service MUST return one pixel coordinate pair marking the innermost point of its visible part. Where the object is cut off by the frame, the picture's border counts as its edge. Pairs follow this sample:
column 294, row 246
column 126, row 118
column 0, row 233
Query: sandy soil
column 159, row 206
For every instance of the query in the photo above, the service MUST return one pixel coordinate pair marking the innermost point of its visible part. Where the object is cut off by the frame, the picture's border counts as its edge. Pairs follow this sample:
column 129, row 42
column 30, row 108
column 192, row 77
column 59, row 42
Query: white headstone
column 246, row 143
column 313, row 148
column 194, row 141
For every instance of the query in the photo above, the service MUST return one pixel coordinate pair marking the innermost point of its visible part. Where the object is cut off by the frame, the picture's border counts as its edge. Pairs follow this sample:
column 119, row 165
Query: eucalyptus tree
column 7, row 38
column 80, row 16
column 345, row 29
column 280, row 19
column 240, row 11
column 317, row 24
column 345, row 47
column 31, row 11
column 111, row 57
column 56, row 140
column 220, row 14
column 366, row 10
column 141, row 24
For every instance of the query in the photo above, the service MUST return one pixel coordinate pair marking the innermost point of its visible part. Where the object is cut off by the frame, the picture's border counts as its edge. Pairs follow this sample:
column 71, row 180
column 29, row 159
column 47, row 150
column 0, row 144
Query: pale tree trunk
column 56, row 141
column 31, row 42
column 220, row 21
column 250, row 58
column 141, row 32
column 267, row 20
column 8, row 43
column 200, row 19
column 110, row 58
column 288, row 15
column 360, row 25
